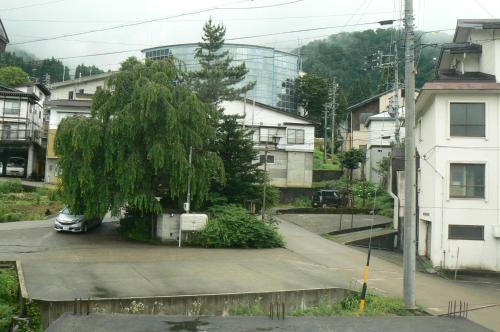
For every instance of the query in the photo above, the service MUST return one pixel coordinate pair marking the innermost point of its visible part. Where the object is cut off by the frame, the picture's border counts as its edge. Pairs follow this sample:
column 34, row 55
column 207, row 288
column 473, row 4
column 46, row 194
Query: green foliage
column 330, row 165
column 252, row 309
column 351, row 159
column 36, row 68
column 82, row 71
column 19, row 204
column 344, row 55
column 313, row 94
column 11, row 186
column 135, row 147
column 231, row 226
column 375, row 306
column 244, row 178
column 13, row 76
column 383, row 168
column 217, row 79
column 137, row 228
column 302, row 201
column 8, row 297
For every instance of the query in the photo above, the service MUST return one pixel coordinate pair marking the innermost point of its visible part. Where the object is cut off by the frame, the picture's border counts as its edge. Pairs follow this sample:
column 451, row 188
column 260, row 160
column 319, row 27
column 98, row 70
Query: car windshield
column 16, row 162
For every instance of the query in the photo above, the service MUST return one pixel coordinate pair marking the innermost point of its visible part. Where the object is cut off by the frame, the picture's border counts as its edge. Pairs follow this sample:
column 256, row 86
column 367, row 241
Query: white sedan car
column 68, row 222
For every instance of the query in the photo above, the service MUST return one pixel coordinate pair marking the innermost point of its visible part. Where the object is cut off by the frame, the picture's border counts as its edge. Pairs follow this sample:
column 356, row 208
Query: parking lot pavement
column 139, row 323
column 102, row 264
column 326, row 223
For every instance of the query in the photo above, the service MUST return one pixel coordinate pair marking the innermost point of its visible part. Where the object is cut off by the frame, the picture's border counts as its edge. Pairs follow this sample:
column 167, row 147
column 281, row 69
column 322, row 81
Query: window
column 467, row 119
column 81, row 91
column 467, row 180
column 295, row 136
column 465, row 232
column 266, row 134
column 270, row 159
column 70, row 95
column 12, row 107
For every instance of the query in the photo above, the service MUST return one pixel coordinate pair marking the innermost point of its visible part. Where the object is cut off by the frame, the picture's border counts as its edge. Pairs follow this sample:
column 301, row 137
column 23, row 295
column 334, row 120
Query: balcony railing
column 21, row 134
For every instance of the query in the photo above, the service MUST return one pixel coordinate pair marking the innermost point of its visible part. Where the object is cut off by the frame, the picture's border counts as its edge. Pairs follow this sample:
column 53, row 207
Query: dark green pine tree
column 244, row 178
column 217, row 80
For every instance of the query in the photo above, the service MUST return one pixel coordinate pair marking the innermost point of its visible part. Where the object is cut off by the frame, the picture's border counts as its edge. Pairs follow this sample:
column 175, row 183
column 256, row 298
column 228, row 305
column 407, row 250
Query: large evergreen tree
column 218, row 79
column 135, row 146
column 83, row 70
column 244, row 178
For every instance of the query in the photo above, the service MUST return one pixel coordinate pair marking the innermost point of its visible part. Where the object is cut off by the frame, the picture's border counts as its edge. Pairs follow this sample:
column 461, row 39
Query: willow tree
column 135, row 147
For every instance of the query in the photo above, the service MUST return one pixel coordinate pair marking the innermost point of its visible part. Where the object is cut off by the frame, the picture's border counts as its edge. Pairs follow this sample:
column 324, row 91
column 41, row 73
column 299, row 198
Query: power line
column 306, row 30
column 30, row 6
column 280, row 18
column 152, row 20
column 234, row 38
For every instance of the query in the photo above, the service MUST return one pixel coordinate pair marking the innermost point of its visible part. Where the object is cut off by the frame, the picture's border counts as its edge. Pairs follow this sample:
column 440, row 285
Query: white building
column 457, row 137
column 68, row 98
column 290, row 163
column 23, row 132
column 381, row 130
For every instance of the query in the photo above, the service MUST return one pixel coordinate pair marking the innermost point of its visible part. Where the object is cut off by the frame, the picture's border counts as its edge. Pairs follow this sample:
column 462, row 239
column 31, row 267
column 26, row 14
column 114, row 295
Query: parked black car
column 329, row 198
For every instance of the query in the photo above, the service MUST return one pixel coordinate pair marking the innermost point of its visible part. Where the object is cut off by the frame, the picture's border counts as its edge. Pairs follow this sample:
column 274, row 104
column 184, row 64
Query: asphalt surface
column 141, row 323
column 326, row 223
column 102, row 264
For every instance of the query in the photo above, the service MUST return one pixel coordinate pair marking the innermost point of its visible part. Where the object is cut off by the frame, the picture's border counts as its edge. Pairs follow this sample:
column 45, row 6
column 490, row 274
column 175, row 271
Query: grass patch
column 17, row 204
column 9, row 304
column 375, row 306
column 331, row 162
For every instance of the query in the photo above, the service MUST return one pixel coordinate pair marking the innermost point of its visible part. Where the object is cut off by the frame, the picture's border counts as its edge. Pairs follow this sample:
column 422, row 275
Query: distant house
column 290, row 163
column 457, row 138
column 69, row 98
column 354, row 130
column 23, row 134
column 4, row 39
column 381, row 130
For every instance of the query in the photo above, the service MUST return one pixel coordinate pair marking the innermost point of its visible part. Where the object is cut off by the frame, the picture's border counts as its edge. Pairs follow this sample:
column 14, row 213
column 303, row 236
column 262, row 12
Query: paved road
column 140, row 323
column 386, row 278
column 326, row 223
column 102, row 264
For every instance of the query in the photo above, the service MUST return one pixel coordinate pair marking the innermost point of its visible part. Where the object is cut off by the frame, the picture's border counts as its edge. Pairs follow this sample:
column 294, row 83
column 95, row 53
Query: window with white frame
column 295, row 136
column 270, row 158
column 467, row 180
column 12, row 107
column 467, row 119
column 266, row 134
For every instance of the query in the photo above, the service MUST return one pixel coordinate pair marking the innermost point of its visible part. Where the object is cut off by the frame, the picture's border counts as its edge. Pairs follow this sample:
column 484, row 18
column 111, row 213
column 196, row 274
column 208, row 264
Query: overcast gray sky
column 26, row 20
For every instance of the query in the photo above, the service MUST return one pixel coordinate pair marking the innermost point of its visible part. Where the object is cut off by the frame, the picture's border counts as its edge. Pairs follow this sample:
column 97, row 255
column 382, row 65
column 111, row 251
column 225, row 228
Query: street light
column 275, row 142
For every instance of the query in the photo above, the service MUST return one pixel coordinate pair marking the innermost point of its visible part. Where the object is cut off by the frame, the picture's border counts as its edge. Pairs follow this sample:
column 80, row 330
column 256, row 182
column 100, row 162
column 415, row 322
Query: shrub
column 136, row 228
column 8, row 297
column 303, row 201
column 231, row 226
column 11, row 186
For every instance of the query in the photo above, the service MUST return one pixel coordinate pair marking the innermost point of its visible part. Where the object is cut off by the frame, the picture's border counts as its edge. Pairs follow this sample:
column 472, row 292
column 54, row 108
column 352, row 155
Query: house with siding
column 290, row 162
column 69, row 98
column 457, row 138
column 23, row 132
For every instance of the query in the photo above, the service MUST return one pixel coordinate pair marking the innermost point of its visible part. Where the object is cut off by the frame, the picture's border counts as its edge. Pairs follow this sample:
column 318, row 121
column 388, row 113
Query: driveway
column 346, row 264
column 102, row 264
column 326, row 223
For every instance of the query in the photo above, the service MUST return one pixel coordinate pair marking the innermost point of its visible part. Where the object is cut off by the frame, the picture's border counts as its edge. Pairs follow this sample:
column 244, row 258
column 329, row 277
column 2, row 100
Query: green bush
column 137, row 228
column 8, row 298
column 303, row 201
column 11, row 186
column 231, row 226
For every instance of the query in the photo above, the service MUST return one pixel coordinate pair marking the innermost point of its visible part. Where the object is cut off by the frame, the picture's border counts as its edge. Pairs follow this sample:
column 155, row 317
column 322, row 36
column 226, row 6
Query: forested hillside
column 39, row 69
column 347, row 56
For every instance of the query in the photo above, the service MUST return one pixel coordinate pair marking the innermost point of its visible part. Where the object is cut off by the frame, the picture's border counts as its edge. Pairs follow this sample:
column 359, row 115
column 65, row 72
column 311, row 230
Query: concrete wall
column 193, row 305
column 325, row 175
column 437, row 209
column 61, row 90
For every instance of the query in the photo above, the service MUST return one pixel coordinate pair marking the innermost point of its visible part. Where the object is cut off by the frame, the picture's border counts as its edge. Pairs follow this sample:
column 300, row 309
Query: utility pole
column 396, row 96
column 409, row 218
column 263, row 210
column 325, row 123
column 333, row 105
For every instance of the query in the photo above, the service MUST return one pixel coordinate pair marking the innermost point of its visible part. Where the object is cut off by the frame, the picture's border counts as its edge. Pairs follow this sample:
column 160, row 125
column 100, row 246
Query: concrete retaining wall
column 326, row 175
column 193, row 305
